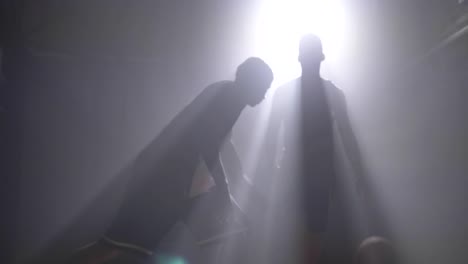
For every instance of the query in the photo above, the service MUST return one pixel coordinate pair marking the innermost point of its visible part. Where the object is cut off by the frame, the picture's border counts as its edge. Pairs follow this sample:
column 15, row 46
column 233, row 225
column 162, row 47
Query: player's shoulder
column 292, row 84
column 220, row 84
column 333, row 89
column 214, row 89
column 286, row 89
column 331, row 86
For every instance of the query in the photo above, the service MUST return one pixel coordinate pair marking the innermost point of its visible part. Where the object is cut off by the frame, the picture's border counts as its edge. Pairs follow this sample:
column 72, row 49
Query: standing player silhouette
column 308, row 114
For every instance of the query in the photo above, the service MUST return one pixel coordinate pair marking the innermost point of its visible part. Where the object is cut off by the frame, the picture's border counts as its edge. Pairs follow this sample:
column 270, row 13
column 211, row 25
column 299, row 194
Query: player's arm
column 270, row 151
column 215, row 165
column 232, row 166
column 239, row 184
column 350, row 141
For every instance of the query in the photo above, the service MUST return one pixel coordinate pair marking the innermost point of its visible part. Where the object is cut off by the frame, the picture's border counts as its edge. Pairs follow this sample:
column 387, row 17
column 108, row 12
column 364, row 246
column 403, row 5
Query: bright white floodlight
column 281, row 23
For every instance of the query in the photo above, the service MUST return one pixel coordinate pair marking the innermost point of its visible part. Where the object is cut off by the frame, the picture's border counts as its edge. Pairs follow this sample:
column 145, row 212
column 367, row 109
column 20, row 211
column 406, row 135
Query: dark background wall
column 97, row 80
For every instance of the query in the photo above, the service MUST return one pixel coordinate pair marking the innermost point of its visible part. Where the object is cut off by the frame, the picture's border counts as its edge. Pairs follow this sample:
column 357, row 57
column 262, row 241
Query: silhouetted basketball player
column 305, row 114
column 158, row 192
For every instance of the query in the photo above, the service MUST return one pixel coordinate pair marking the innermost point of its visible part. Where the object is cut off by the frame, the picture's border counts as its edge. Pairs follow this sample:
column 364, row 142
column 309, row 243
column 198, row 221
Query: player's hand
column 230, row 216
column 222, row 205
column 224, row 200
column 222, row 218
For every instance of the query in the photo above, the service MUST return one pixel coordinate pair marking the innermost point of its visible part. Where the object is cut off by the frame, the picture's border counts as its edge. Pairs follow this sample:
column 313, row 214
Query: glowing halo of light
column 281, row 23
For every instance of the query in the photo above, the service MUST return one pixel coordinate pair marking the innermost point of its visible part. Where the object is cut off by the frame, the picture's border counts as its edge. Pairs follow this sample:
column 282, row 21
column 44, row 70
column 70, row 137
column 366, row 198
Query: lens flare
column 281, row 23
column 166, row 259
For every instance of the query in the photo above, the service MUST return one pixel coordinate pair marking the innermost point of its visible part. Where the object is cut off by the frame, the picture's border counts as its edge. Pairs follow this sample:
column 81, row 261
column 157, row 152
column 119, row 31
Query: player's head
column 376, row 250
column 311, row 52
column 253, row 78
